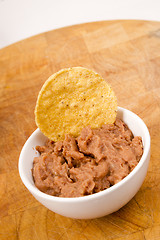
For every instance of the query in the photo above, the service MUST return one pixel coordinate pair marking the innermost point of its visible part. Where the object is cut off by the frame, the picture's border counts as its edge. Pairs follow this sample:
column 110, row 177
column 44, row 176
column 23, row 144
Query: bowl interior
column 136, row 125
column 27, row 155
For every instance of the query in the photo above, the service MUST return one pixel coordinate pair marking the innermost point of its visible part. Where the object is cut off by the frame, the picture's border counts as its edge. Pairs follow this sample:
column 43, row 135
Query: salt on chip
column 72, row 99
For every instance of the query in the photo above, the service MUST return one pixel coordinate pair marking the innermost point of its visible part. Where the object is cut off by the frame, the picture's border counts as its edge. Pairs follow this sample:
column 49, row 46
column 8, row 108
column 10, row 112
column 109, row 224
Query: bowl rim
column 36, row 192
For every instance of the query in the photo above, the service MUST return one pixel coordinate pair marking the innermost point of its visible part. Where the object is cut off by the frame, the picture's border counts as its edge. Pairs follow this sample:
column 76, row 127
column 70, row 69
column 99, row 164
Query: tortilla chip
column 71, row 99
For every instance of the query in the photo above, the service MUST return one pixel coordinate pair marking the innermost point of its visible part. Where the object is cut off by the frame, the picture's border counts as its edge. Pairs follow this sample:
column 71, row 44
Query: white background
column 20, row 19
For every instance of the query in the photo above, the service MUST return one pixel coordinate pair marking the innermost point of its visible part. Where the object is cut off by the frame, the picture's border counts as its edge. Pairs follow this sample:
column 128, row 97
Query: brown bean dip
column 95, row 160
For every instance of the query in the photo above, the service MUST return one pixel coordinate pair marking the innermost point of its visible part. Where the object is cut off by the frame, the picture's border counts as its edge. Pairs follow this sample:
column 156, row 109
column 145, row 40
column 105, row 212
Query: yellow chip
column 72, row 99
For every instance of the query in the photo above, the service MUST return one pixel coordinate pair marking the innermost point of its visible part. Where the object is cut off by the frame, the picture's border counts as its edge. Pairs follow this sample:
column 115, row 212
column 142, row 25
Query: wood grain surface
column 127, row 55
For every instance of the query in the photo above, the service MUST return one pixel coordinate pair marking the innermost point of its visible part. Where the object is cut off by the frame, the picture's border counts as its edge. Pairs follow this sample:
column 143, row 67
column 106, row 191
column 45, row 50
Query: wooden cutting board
column 127, row 55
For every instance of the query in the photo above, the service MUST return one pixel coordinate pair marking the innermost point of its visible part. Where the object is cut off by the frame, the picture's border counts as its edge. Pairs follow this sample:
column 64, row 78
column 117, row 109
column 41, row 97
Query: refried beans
column 95, row 160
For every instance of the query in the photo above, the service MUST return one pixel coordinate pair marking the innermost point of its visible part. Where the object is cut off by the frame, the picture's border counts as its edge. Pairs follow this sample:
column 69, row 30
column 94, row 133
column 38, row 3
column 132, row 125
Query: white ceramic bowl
column 98, row 204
